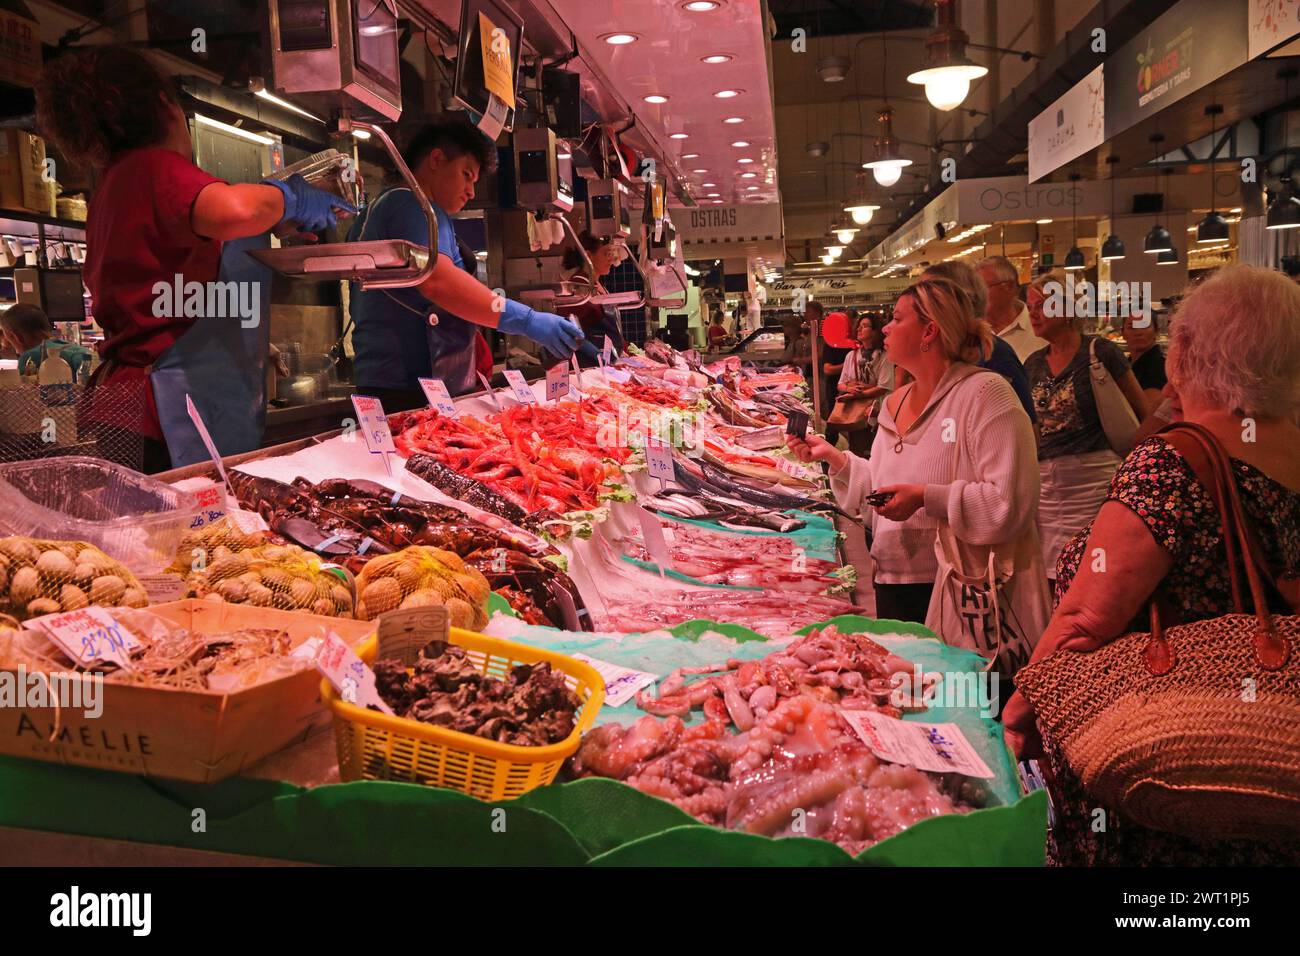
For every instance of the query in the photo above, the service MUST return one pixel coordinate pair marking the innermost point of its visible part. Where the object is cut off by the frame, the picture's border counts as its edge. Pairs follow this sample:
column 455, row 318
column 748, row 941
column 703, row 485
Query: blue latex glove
column 559, row 335
column 310, row 208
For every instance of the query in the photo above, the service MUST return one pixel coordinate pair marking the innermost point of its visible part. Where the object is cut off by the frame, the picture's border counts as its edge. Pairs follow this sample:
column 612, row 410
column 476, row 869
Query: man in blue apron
column 428, row 331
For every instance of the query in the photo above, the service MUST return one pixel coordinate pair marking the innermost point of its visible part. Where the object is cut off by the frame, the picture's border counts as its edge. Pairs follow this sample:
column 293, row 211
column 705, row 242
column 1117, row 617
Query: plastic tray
column 131, row 517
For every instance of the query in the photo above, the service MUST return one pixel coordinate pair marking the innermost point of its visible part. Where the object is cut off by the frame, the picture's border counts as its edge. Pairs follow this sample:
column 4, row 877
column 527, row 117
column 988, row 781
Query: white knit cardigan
column 988, row 493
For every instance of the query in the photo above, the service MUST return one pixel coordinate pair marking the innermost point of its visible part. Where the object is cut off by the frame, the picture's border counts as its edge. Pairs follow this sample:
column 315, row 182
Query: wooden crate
column 187, row 735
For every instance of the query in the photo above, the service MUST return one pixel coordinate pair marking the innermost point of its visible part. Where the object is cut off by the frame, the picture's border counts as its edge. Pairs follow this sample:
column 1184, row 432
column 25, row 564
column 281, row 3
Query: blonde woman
column 1234, row 364
column 954, row 448
column 1075, row 459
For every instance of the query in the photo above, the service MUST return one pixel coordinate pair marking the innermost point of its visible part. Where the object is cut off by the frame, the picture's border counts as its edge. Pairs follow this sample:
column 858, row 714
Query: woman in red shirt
column 157, row 223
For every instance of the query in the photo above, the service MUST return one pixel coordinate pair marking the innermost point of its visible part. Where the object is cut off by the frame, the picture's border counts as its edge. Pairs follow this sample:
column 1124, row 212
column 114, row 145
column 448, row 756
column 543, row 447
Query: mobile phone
column 878, row 498
column 796, row 424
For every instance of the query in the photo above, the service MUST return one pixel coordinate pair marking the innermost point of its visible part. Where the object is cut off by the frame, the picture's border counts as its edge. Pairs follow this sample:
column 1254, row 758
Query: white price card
column 354, row 681
column 491, row 392
column 575, row 383
column 608, row 351
column 519, row 386
column 659, row 459
column 557, row 382
column 373, row 425
column 162, row 587
column 938, row 748
column 435, row 390
column 621, row 683
column 652, row 532
column 210, row 498
column 90, row 634
column 202, row 429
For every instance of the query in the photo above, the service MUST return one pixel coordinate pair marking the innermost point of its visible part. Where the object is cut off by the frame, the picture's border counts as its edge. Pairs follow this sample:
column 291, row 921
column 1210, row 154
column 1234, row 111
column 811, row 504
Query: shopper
column 156, row 220
column 26, row 329
column 1076, row 461
column 1001, row 357
column 1145, row 357
column 954, row 446
column 394, row 341
column 1234, row 355
column 867, row 375
column 599, row 323
column 1007, row 315
column 717, row 332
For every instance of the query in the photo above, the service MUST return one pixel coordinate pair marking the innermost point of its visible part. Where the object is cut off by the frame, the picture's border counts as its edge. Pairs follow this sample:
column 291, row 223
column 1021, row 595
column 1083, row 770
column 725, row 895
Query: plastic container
column 375, row 746
column 131, row 517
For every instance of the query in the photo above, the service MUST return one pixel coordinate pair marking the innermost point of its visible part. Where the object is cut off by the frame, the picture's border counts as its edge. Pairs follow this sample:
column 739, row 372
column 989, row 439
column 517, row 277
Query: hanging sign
column 1070, row 127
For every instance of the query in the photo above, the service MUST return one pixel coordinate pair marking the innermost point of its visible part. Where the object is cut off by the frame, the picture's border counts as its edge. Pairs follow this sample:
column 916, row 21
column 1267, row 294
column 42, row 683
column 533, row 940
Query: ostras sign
column 713, row 225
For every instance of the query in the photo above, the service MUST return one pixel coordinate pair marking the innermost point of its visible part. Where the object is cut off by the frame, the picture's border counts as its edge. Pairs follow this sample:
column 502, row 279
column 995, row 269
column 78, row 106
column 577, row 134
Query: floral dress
column 1158, row 485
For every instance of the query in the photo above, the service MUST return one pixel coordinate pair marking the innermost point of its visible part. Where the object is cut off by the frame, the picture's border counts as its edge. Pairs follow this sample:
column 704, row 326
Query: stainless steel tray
column 360, row 261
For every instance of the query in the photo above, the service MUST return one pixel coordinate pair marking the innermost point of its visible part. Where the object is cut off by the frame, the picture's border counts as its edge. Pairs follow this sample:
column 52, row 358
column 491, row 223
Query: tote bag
column 1116, row 414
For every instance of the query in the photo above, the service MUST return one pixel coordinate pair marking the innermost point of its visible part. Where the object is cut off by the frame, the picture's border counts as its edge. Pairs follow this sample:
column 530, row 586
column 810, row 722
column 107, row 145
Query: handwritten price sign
column 354, row 681
column 91, row 634
column 435, row 390
column 373, row 424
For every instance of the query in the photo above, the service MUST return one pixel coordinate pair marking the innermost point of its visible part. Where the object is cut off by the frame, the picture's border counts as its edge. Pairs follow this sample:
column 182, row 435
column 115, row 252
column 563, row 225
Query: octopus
column 797, row 771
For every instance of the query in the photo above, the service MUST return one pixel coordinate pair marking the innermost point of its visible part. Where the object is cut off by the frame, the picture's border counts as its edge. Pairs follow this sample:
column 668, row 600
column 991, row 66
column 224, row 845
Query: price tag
column 557, row 382
column 621, row 683
column 491, row 392
column 608, row 352
column 90, row 634
column 652, row 533
column 938, row 748
column 374, row 425
column 659, row 459
column 519, row 387
column 575, row 383
column 210, row 497
column 435, row 390
column 162, row 587
column 354, row 681
column 197, row 419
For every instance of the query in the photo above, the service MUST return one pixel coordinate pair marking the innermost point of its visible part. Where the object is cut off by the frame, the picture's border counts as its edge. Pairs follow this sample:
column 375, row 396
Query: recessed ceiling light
column 708, row 185
column 745, row 159
column 734, row 119
column 677, row 136
column 699, row 170
column 717, row 58
column 717, row 202
column 690, row 155
column 740, row 143
column 711, row 195
column 1044, row 222
column 751, row 188
column 749, row 175
column 655, row 98
column 701, row 6
column 619, row 39
column 727, row 94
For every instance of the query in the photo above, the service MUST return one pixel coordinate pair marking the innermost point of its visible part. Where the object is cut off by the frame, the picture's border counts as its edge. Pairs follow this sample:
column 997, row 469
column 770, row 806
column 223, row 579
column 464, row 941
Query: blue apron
column 221, row 365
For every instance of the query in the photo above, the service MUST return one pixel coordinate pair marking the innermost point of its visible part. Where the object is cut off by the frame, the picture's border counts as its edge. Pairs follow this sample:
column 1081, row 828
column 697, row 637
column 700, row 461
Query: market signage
column 1192, row 45
column 20, row 49
column 867, row 289
column 1070, row 127
column 1001, row 199
column 740, row 223
column 1272, row 23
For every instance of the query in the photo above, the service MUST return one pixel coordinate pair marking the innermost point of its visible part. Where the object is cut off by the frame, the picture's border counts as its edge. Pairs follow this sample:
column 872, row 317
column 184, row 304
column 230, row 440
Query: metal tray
column 372, row 259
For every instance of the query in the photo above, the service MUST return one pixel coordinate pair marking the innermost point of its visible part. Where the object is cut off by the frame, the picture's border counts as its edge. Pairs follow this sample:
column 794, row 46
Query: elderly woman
column 1234, row 362
column 954, row 446
column 1075, row 459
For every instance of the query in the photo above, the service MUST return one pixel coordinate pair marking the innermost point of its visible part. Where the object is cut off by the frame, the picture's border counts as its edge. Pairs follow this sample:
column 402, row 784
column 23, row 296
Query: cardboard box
column 22, row 174
column 186, row 735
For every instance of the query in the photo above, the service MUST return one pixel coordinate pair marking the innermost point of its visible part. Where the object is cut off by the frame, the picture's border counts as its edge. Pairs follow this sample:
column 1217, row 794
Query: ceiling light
column 1112, row 248
column 1074, row 259
column 749, row 175
column 1158, row 240
column 734, row 119
column 827, row 259
column 272, row 98
column 690, row 155
column 717, row 202
column 655, row 98
column 744, row 159
column 888, row 173
column 727, row 94
column 716, row 58
column 620, row 39
column 701, row 6
column 699, row 170
column 712, row 195
column 1167, row 258
column 1284, row 213
column 751, row 188
column 678, row 136
column 708, row 185
column 888, row 165
column 1213, row 228
column 740, row 143
column 361, row 134
column 234, row 130
column 948, row 72
column 1044, row 222
column 817, row 149
column 833, row 69
column 835, row 250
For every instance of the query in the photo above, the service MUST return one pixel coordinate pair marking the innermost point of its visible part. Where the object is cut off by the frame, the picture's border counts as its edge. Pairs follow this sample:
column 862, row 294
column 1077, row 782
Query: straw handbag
column 1192, row 729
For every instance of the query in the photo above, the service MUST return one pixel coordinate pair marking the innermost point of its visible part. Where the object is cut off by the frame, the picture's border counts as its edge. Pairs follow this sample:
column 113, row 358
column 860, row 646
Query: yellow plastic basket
column 375, row 746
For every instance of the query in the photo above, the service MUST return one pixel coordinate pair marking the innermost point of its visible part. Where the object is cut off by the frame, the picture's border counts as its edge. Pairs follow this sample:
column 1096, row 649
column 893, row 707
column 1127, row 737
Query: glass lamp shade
column 888, row 171
column 861, row 213
column 827, row 259
column 845, row 235
column 946, row 86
